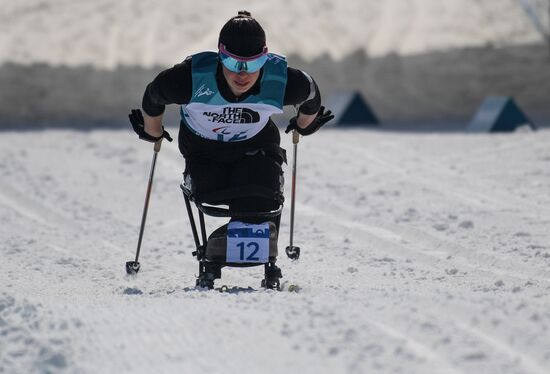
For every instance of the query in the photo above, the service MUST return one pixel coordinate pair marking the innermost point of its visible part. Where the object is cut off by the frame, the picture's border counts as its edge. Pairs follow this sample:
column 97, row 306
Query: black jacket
column 175, row 86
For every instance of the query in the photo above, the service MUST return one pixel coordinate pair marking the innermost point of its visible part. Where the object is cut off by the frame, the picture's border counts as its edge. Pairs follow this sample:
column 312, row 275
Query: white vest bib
column 210, row 116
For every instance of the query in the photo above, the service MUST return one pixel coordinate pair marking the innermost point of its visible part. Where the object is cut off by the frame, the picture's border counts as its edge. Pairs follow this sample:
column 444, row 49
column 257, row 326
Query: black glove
column 322, row 118
column 136, row 119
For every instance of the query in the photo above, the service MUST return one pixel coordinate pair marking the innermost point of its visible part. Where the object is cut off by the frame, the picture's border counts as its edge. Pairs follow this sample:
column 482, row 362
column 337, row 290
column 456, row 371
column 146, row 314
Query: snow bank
column 107, row 33
column 372, row 46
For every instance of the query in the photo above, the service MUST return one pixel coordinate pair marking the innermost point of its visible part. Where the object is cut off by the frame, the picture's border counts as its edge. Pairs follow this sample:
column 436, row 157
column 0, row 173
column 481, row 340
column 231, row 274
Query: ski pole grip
column 295, row 137
column 158, row 143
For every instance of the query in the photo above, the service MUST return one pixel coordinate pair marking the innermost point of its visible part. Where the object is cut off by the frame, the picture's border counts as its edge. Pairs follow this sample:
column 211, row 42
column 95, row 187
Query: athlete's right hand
column 138, row 124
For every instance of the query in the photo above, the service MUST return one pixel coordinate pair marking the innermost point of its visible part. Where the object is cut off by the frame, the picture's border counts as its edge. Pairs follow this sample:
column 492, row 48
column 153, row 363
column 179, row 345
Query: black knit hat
column 242, row 35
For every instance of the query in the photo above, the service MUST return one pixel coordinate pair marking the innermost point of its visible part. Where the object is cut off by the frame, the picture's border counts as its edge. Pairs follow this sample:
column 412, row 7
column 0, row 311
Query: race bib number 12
column 247, row 243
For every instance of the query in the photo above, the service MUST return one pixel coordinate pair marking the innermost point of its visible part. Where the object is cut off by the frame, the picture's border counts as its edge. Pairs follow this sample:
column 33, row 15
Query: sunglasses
column 237, row 63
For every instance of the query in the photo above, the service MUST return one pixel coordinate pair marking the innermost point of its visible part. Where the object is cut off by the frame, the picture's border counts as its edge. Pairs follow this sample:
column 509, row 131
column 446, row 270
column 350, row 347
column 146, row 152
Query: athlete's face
column 241, row 82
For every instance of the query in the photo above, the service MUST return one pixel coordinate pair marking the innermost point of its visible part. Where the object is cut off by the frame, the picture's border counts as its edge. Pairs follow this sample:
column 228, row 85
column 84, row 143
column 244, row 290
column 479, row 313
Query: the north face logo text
column 234, row 115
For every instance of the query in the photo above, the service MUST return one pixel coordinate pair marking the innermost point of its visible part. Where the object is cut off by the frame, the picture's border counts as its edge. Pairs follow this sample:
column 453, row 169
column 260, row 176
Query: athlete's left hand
column 321, row 118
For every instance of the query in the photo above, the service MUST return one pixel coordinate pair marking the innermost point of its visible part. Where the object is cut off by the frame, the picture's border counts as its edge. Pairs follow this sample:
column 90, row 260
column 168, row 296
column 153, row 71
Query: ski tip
column 234, row 289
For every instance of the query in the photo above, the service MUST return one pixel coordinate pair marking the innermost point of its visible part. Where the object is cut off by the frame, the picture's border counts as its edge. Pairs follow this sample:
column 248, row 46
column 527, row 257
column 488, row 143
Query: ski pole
column 132, row 267
column 292, row 251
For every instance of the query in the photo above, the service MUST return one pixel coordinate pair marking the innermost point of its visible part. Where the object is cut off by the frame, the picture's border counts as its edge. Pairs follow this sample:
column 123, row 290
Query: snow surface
column 421, row 253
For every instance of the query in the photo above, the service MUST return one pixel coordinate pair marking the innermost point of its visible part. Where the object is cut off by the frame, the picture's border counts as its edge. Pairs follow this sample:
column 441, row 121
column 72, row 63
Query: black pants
column 253, row 184
column 249, row 172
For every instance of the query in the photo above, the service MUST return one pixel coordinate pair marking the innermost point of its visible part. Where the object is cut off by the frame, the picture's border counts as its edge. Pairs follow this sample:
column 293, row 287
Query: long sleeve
column 171, row 86
column 301, row 90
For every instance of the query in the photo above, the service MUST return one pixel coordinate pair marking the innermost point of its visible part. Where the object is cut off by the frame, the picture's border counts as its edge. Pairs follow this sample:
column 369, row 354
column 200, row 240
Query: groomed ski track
column 421, row 253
